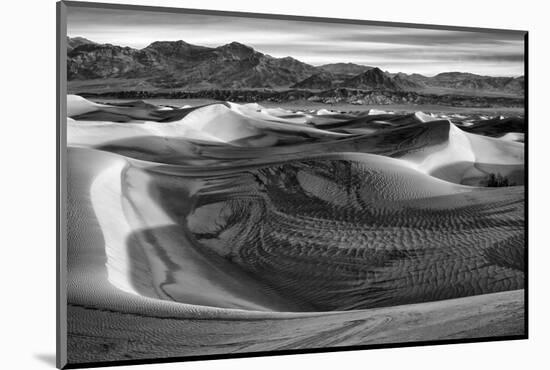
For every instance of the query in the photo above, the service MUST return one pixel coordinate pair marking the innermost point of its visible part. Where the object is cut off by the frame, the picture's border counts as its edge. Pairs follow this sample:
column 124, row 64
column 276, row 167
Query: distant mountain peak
column 373, row 79
column 374, row 75
column 74, row 42
column 289, row 58
column 80, row 39
column 236, row 46
column 345, row 68
column 177, row 42
column 237, row 50
column 375, row 71
column 456, row 74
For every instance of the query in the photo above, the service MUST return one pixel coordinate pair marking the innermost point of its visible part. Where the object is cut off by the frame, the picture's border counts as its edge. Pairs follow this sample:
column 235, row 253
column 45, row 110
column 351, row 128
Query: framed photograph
column 236, row 184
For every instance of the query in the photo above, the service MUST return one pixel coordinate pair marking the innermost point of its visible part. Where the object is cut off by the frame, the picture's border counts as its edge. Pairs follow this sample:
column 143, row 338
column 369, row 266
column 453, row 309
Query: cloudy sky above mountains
column 396, row 49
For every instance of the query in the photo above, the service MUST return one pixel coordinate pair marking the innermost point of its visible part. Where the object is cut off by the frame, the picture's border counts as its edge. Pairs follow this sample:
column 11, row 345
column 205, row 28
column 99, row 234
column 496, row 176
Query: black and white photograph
column 241, row 184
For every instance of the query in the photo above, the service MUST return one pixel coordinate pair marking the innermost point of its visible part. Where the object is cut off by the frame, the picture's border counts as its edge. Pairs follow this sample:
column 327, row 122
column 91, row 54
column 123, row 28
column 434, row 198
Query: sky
column 395, row 49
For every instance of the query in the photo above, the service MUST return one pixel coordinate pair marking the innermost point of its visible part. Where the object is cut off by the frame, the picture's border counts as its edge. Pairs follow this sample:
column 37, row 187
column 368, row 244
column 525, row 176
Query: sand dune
column 77, row 105
column 466, row 158
column 242, row 125
column 362, row 229
column 513, row 136
column 435, row 147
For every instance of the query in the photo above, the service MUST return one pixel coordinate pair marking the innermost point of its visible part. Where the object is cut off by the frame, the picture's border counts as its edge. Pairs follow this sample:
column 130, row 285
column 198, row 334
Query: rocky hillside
column 373, row 79
column 177, row 65
column 77, row 41
column 470, row 81
column 319, row 81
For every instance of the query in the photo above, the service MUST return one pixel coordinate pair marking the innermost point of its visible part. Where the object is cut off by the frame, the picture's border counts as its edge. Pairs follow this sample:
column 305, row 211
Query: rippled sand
column 235, row 228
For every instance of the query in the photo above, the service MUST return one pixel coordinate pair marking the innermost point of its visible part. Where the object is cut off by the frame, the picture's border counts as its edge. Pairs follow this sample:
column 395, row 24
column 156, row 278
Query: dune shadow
column 495, row 127
column 479, row 173
column 165, row 264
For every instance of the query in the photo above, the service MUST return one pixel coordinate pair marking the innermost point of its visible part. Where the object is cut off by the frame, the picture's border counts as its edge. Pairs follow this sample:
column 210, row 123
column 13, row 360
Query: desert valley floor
column 229, row 228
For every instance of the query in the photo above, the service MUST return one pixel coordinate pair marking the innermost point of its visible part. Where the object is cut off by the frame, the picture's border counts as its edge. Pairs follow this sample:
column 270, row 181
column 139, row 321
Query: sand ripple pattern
column 336, row 235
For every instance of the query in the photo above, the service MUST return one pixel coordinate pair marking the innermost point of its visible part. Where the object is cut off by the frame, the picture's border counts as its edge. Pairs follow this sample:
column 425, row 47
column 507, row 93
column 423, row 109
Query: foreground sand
column 231, row 228
column 128, row 336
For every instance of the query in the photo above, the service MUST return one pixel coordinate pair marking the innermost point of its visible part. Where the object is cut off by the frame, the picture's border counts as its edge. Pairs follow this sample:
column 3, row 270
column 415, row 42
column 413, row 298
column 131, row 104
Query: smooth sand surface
column 234, row 228
column 514, row 136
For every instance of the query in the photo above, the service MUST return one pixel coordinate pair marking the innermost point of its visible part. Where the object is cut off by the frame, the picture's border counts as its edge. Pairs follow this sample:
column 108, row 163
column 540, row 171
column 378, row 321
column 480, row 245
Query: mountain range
column 177, row 65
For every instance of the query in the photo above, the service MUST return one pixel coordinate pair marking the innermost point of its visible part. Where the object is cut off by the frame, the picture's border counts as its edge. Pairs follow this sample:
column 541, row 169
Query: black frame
column 61, row 190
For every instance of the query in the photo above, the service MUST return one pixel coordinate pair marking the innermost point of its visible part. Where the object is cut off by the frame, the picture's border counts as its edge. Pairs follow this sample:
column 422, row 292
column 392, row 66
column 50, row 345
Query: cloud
column 428, row 37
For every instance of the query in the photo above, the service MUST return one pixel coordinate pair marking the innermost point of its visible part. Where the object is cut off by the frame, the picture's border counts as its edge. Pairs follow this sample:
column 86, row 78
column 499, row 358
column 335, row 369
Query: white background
column 27, row 162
